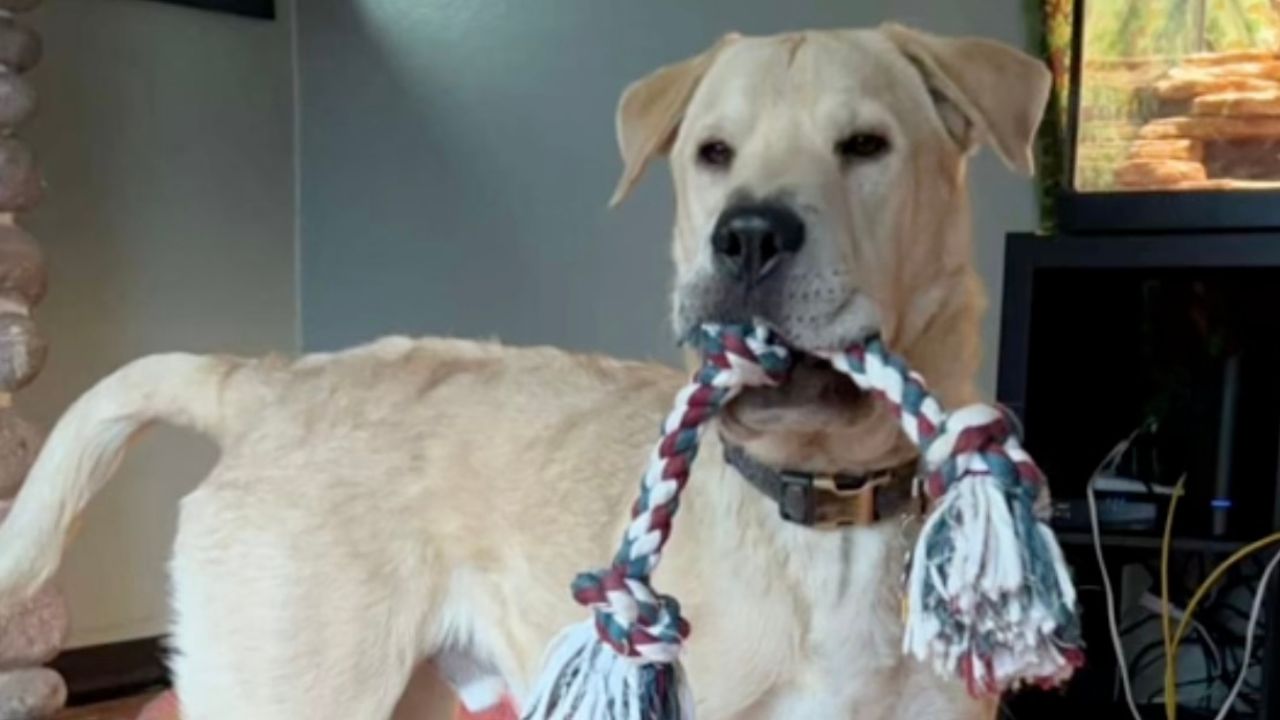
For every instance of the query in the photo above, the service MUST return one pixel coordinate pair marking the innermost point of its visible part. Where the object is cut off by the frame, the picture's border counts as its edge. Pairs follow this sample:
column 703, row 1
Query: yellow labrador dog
column 415, row 500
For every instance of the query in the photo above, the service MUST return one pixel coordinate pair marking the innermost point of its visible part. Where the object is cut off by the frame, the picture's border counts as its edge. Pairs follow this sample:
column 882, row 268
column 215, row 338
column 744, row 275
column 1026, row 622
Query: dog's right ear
column 650, row 111
column 987, row 91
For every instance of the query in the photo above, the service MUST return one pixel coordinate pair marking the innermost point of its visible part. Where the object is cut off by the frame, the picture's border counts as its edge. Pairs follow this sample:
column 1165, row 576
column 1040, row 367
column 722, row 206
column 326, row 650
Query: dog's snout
column 751, row 241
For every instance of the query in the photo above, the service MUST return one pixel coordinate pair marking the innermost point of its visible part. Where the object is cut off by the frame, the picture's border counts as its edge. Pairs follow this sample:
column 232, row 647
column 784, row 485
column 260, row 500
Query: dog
column 409, row 512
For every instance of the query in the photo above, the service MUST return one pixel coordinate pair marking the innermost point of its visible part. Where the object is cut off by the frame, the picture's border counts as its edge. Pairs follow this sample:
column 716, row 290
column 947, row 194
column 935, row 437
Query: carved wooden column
column 32, row 632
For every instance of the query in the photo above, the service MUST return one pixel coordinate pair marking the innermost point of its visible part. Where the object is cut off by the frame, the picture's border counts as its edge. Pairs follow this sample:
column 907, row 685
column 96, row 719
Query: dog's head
column 819, row 181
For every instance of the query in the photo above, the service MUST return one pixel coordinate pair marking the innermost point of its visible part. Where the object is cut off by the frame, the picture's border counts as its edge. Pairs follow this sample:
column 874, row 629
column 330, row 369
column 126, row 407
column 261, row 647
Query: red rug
column 503, row 712
column 164, row 707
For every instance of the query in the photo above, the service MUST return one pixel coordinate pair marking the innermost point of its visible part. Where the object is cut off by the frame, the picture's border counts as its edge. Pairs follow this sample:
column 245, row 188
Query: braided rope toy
column 988, row 595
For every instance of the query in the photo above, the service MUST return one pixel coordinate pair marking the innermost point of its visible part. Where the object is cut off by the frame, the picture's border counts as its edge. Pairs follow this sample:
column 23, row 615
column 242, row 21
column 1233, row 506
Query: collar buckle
column 830, row 501
column 840, row 503
column 796, row 503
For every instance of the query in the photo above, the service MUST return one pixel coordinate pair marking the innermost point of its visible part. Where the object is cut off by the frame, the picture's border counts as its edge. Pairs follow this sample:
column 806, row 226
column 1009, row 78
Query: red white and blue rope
column 988, row 598
column 630, row 617
column 988, row 595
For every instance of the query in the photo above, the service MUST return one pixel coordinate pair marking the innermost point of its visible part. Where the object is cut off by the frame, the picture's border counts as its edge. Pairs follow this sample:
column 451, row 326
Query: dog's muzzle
column 751, row 241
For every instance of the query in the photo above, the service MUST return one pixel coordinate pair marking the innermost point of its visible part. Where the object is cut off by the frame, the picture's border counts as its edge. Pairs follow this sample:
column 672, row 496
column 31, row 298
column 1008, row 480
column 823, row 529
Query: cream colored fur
column 423, row 503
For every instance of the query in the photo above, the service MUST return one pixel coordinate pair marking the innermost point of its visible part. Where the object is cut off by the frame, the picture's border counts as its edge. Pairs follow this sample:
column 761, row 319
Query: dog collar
column 831, row 501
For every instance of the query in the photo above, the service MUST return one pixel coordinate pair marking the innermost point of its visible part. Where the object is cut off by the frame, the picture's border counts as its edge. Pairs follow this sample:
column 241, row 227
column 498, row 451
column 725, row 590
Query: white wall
column 453, row 152
column 166, row 135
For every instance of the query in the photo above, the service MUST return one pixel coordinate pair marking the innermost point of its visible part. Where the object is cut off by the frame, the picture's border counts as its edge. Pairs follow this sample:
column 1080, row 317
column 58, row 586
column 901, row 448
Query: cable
column 1166, row 620
column 1114, row 624
column 1109, row 461
column 1141, row 622
column 1170, row 641
column 1254, row 614
column 1215, row 659
column 1171, row 670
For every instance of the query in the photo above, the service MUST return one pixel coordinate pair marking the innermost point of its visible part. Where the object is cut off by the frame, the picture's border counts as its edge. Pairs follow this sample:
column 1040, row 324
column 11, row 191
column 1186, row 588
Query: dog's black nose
column 751, row 241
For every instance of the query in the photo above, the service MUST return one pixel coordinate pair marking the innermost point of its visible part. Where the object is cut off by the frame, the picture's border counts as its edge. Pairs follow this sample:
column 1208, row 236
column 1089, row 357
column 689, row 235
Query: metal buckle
column 822, row 501
column 796, row 502
column 840, row 506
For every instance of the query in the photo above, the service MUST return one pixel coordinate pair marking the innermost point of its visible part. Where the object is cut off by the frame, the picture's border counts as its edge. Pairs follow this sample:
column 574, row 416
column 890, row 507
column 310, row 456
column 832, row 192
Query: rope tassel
column 988, row 597
column 584, row 678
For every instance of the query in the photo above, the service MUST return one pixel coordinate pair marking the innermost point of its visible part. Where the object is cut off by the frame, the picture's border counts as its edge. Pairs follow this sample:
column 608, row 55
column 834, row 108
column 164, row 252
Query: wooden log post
column 20, row 46
column 33, row 631
column 19, row 442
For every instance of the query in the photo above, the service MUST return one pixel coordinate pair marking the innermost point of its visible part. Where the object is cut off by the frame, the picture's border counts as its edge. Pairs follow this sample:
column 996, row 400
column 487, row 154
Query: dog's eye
column 715, row 154
column 862, row 146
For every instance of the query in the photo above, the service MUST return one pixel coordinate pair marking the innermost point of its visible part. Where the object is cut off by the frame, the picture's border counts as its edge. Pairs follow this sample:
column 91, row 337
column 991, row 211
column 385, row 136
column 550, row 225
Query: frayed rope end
column 989, row 596
column 584, row 679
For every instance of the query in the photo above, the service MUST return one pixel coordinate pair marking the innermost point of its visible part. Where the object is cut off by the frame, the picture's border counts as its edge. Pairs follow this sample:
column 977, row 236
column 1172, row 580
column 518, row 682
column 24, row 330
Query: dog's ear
column 984, row 90
column 650, row 111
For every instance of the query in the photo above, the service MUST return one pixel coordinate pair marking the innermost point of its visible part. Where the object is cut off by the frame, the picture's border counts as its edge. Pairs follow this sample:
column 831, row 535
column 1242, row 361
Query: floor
column 128, row 710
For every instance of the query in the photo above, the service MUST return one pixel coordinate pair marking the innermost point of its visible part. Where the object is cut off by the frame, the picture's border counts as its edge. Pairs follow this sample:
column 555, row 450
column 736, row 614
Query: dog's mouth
column 817, row 312
column 816, row 421
column 815, row 397
column 813, row 314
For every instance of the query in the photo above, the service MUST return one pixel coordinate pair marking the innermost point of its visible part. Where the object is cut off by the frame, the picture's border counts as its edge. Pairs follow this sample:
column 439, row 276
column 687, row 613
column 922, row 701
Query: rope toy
column 988, row 595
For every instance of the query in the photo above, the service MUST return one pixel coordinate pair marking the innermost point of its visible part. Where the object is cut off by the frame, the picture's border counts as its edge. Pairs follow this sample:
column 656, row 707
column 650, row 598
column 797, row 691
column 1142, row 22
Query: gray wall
column 456, row 152
column 166, row 135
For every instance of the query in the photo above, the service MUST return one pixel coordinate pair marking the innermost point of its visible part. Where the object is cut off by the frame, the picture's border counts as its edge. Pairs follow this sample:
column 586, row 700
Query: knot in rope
column 631, row 617
column 979, row 440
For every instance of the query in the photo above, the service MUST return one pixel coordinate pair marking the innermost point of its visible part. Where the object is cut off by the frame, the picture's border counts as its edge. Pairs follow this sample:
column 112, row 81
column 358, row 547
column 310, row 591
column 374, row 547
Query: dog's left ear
column 985, row 90
column 650, row 111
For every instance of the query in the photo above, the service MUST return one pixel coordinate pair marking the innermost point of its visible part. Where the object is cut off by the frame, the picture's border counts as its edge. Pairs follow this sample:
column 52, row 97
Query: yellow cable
column 1170, row 662
column 1170, row 676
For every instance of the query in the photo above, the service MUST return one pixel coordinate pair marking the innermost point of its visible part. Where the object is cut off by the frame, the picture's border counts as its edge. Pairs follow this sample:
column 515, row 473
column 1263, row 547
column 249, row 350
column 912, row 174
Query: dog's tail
column 86, row 446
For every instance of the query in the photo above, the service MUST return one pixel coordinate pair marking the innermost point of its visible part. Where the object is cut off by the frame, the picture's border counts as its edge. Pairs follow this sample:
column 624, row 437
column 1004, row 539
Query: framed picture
column 251, row 8
column 1167, row 124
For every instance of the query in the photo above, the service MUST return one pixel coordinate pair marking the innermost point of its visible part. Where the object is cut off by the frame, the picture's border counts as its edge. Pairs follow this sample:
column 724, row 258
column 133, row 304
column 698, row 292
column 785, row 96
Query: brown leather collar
column 829, row 501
